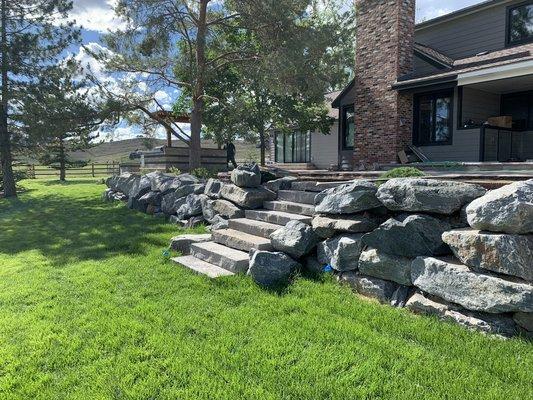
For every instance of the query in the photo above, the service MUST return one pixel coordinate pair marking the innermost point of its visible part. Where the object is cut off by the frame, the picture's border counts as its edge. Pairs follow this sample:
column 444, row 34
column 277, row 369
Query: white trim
column 496, row 73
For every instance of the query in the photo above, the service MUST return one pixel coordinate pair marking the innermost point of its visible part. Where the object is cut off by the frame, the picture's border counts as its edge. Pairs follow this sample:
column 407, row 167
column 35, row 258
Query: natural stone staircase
column 228, row 252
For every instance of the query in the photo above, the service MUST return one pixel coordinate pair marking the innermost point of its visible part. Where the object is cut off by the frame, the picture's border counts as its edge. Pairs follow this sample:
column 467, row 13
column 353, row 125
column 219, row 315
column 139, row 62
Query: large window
column 433, row 118
column 348, row 128
column 520, row 24
column 520, row 107
column 293, row 147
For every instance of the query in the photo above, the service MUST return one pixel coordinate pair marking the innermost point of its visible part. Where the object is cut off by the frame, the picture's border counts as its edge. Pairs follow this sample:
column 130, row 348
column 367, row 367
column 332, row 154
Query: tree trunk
column 195, row 148
column 5, row 141
column 62, row 161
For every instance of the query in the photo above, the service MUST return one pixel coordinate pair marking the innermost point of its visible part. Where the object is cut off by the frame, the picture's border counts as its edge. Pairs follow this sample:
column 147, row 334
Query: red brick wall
column 383, row 117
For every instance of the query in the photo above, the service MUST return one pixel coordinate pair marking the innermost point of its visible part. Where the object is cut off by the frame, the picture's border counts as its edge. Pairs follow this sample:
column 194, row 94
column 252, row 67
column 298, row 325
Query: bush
column 203, row 173
column 402, row 172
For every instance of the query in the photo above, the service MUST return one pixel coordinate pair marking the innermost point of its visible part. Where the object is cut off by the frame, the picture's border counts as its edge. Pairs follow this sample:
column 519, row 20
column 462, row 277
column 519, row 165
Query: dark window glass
column 293, row 147
column 517, row 106
column 434, row 119
column 348, row 128
column 520, row 24
column 279, row 147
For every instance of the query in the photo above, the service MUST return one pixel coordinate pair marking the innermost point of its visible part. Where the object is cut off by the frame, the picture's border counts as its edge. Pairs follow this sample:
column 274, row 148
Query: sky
column 96, row 18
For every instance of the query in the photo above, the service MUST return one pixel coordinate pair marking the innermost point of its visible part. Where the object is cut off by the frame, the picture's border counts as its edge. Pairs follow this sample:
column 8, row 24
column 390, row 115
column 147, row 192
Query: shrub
column 175, row 171
column 204, row 173
column 402, row 172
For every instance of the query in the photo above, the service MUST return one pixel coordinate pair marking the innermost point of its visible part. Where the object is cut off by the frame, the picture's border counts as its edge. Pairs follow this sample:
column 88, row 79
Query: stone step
column 277, row 217
column 202, row 267
column 253, row 227
column 230, row 259
column 289, row 207
column 313, row 186
column 240, row 240
column 296, row 196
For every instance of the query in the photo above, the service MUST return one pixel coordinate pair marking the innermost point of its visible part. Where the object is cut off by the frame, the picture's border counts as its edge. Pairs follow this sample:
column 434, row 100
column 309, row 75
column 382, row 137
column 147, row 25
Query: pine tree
column 31, row 39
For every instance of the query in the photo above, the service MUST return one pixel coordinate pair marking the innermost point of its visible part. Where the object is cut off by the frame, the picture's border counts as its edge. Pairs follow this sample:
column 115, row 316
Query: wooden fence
column 90, row 170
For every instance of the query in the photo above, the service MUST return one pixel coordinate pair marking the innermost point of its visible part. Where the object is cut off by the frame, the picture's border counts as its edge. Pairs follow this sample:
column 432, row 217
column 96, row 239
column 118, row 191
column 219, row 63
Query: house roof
column 478, row 62
column 433, row 56
column 330, row 98
column 336, row 103
column 461, row 13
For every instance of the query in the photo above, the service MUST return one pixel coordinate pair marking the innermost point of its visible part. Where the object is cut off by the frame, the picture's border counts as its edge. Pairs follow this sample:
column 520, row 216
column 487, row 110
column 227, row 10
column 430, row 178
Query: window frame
column 509, row 10
column 344, row 111
column 416, row 118
column 292, row 138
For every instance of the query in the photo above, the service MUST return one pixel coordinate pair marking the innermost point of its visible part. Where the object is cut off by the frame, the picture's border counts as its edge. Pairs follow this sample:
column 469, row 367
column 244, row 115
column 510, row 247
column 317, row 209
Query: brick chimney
column 384, row 52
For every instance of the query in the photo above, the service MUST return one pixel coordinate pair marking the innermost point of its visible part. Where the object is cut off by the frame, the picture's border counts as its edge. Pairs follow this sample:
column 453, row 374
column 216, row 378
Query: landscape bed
column 90, row 308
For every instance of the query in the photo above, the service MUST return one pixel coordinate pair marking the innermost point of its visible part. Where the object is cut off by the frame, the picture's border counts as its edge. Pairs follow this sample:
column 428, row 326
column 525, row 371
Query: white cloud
column 428, row 9
column 96, row 15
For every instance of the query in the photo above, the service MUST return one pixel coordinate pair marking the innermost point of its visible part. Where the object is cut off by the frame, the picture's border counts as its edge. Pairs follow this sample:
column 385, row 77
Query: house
column 455, row 88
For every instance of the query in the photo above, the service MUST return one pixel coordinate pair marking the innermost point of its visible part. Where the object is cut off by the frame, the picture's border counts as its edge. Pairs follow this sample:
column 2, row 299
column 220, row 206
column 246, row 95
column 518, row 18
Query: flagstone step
column 276, row 217
column 230, row 259
column 313, row 186
column 202, row 267
column 289, row 207
column 241, row 240
column 253, row 227
column 296, row 196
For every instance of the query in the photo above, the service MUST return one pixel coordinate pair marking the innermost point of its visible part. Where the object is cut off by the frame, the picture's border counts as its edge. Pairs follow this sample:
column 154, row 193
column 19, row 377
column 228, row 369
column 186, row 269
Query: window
column 293, row 147
column 348, row 128
column 520, row 107
column 520, row 24
column 433, row 118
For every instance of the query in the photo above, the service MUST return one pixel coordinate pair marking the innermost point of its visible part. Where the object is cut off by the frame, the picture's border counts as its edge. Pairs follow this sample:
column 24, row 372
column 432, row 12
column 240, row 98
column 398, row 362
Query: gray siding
column 468, row 35
column 324, row 148
column 465, row 147
column 479, row 105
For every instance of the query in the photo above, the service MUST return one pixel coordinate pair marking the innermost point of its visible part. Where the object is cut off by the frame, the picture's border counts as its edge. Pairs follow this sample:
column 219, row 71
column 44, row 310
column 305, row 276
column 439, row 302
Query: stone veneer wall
column 384, row 52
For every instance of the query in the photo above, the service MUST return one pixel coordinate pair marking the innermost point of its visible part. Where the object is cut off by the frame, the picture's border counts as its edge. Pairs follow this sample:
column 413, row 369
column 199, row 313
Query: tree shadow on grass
column 69, row 229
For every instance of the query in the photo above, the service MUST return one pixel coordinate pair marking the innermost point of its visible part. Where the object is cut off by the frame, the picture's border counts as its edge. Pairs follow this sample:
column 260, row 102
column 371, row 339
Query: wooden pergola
column 169, row 117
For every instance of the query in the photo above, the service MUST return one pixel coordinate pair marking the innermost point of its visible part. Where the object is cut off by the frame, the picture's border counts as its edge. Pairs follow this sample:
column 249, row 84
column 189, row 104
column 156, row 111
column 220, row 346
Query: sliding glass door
column 293, row 147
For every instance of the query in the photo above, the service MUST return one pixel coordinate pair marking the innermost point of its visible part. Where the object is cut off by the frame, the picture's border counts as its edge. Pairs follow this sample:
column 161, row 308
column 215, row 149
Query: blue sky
column 96, row 17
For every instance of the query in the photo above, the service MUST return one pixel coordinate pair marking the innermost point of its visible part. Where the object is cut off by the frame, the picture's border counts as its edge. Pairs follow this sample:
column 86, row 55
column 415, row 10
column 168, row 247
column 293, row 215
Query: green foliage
column 204, row 173
column 175, row 171
column 91, row 310
column 402, row 172
column 18, row 175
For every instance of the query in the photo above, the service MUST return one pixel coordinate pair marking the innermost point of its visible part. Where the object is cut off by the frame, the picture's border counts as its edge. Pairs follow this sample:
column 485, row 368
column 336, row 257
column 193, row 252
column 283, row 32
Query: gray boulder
column 508, row 209
column 456, row 283
column 140, row 186
column 341, row 252
column 386, row 266
column 425, row 195
column 487, row 323
column 524, row 320
column 171, row 184
column 284, row 183
column 272, row 269
column 157, row 179
column 296, row 239
column 246, row 176
column 213, row 188
column 328, row 226
column 170, row 203
column 250, row 198
column 312, row 265
column 151, row 198
column 192, row 207
column 183, row 243
column 218, row 223
column 187, row 189
column 351, row 198
column 400, row 296
column 410, row 236
column 135, row 204
column 223, row 208
column 497, row 252
column 368, row 286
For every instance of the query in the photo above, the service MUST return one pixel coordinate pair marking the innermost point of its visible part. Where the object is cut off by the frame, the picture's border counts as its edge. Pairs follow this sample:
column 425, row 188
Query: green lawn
column 90, row 309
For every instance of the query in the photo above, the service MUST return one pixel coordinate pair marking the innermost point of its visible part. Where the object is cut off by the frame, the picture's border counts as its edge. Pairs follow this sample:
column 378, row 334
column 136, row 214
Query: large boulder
column 191, row 208
column 456, row 283
column 284, row 183
column 186, row 189
column 151, row 198
column 352, row 198
column 524, row 320
column 341, row 252
column 272, row 269
column 369, row 286
column 410, row 236
column 296, row 239
column 157, row 178
column 328, row 226
column 223, row 208
column 125, row 183
column 135, row 204
column 246, row 176
column 425, row 195
column 213, row 188
column 487, row 323
column 170, row 203
column 249, row 198
column 503, row 253
column 386, row 266
column 508, row 209
column 171, row 184
column 140, row 186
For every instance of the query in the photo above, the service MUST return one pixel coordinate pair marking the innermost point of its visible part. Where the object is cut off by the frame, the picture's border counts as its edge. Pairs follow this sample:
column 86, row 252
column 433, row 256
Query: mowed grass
column 90, row 309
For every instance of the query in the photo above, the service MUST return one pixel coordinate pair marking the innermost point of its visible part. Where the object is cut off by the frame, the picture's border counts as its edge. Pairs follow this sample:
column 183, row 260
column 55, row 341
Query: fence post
column 92, row 167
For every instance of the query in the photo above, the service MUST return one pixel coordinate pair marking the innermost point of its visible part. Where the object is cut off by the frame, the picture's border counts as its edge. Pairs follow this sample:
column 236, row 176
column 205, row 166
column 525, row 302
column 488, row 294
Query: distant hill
column 120, row 150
